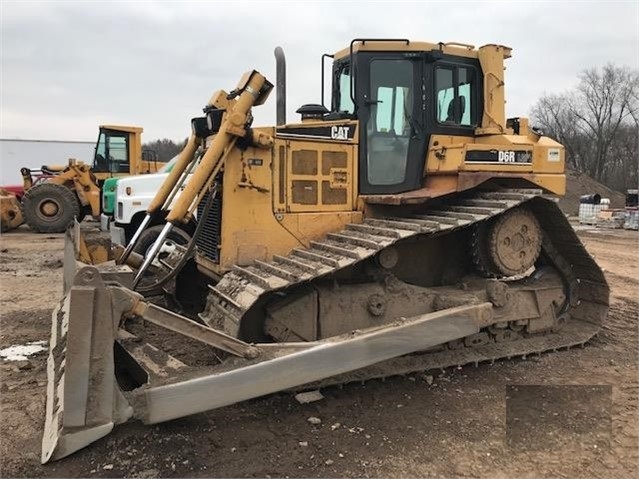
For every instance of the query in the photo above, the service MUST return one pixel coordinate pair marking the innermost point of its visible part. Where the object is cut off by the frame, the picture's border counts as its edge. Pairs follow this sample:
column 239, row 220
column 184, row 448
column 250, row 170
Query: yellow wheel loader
column 58, row 194
column 408, row 226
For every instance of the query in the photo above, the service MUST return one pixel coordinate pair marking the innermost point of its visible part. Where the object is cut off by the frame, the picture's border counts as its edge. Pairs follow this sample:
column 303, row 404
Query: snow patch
column 21, row 352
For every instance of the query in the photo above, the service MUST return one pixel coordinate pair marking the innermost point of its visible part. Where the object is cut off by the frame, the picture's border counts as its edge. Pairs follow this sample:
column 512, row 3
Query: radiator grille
column 209, row 240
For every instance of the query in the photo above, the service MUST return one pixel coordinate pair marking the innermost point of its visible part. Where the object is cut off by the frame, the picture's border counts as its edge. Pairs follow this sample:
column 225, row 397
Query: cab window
column 392, row 115
column 100, row 161
column 345, row 102
column 118, row 153
column 455, row 88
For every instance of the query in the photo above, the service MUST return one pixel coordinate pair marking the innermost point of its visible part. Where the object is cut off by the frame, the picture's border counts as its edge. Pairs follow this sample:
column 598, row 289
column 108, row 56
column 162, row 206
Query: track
column 242, row 290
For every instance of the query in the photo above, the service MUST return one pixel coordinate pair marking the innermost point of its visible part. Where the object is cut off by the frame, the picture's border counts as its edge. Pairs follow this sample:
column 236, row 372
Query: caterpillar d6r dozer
column 411, row 226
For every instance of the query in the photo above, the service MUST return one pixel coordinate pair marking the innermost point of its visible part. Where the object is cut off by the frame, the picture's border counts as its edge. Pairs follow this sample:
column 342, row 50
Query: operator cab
column 111, row 152
column 117, row 152
column 401, row 93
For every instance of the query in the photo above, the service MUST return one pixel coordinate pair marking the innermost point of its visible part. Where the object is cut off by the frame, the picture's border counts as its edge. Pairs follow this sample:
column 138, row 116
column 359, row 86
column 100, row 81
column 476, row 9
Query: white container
column 588, row 212
column 632, row 219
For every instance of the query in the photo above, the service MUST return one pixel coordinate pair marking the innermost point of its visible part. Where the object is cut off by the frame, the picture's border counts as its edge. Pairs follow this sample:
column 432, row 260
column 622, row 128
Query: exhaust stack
column 280, row 83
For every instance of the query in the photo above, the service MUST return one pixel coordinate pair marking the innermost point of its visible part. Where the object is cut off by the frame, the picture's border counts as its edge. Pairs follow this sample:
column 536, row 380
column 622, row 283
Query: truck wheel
column 177, row 236
column 157, row 274
column 50, row 208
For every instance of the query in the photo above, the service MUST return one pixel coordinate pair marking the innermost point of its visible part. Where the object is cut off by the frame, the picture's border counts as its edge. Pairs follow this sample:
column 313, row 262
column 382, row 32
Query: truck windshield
column 168, row 166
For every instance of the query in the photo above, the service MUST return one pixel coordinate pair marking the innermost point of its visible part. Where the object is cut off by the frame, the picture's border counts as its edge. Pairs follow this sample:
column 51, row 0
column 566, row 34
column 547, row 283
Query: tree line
column 598, row 124
column 165, row 148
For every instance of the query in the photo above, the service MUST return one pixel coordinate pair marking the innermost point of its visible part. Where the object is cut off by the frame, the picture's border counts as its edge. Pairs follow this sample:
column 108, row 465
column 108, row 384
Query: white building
column 15, row 154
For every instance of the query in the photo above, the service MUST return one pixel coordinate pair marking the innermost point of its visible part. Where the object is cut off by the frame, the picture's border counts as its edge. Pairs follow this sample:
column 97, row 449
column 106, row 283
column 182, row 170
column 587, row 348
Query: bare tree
column 623, row 164
column 557, row 120
column 598, row 123
column 603, row 102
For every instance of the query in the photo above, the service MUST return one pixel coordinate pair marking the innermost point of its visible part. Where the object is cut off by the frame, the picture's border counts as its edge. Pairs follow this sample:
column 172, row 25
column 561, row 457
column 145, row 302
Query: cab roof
column 405, row 45
column 125, row 128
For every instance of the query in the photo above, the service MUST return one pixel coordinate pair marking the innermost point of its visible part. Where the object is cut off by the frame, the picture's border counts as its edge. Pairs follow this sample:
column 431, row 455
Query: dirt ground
column 566, row 414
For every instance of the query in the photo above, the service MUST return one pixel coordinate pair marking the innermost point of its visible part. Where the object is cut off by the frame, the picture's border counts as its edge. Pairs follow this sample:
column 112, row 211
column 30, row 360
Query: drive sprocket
column 508, row 245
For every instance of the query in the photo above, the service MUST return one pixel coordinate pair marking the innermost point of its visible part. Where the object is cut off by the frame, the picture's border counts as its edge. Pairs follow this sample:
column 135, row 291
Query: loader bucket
column 83, row 400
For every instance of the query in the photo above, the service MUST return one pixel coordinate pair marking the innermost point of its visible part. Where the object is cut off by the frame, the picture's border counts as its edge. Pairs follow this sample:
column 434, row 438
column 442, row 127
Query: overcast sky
column 69, row 66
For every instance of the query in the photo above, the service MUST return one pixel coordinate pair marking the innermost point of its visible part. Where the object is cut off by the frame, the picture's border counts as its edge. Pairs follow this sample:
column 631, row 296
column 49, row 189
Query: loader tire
column 50, row 208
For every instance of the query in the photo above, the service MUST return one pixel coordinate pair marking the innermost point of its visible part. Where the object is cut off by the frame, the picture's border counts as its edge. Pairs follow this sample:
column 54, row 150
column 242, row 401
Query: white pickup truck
column 132, row 197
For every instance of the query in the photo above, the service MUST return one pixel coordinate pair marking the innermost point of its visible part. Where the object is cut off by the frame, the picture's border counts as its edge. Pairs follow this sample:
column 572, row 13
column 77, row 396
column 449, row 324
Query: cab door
column 390, row 107
column 112, row 153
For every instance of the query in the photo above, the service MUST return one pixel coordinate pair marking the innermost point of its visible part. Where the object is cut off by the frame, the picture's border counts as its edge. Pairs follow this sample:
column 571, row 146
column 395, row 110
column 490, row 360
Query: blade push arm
column 252, row 89
column 231, row 128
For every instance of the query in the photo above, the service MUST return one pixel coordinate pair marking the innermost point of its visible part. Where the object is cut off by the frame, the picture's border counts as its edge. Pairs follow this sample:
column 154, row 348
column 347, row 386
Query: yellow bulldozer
column 405, row 227
column 55, row 195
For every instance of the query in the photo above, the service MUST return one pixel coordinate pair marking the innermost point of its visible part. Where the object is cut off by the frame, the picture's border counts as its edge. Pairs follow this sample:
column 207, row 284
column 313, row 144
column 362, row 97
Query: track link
column 587, row 290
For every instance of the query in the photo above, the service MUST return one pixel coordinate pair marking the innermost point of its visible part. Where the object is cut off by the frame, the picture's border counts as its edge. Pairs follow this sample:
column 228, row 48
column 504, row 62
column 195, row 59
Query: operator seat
column 460, row 102
column 101, row 163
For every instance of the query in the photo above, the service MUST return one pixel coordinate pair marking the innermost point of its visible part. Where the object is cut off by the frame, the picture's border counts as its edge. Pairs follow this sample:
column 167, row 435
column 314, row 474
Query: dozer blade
column 83, row 401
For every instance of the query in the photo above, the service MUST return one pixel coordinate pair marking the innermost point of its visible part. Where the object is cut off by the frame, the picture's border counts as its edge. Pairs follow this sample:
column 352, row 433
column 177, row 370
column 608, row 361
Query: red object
column 17, row 190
